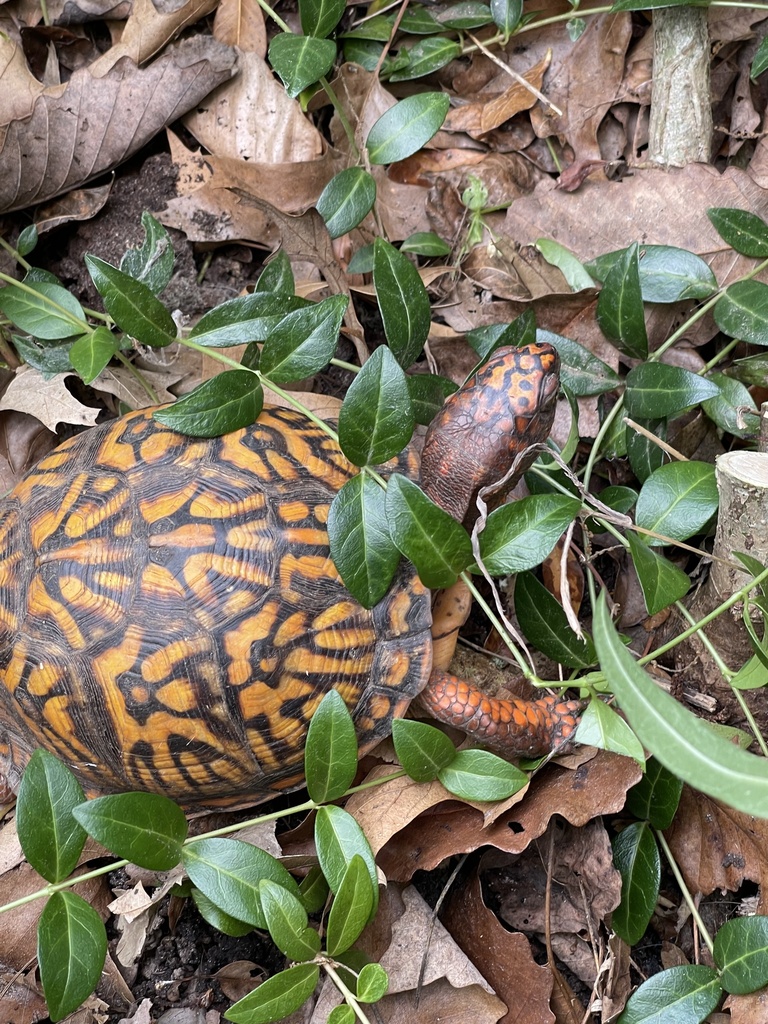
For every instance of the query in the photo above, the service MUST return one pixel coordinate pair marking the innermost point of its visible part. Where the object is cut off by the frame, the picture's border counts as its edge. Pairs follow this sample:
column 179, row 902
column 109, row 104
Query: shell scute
column 170, row 616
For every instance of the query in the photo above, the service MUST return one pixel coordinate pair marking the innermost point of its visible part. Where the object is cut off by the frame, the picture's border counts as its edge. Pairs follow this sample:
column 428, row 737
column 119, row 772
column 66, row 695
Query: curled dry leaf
column 597, row 786
column 715, row 846
column 47, row 400
column 503, row 957
column 151, row 25
column 79, row 130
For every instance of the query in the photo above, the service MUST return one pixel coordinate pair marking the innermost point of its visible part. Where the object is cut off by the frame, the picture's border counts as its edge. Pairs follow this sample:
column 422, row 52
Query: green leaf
column 43, row 309
column 27, row 240
column 300, row 60
column 403, row 302
column 661, row 582
column 277, row 277
column 680, row 995
column 569, row 266
column 376, row 420
column 656, row 796
column 760, row 60
column 313, row 890
column 636, row 856
column 145, row 828
column 645, row 456
column 342, row 1014
column 352, row 907
column 466, row 14
column 48, row 359
column 152, row 262
column 216, row 917
column 287, row 922
column 338, row 838
column 507, row 14
column 743, row 231
column 581, row 373
column 733, row 410
column 425, row 243
column 91, row 353
column 543, row 622
column 372, row 983
column 229, row 401
column 402, row 130
column 741, row 953
column 677, row 500
column 521, row 534
column 132, row 304
column 228, row 872
column 601, row 727
column 421, row 749
column 304, row 341
column 426, row 56
column 320, row 17
column 50, row 837
column 71, row 950
column 743, row 312
column 438, row 546
column 667, row 274
column 620, row 311
column 428, row 393
column 683, row 743
column 277, row 997
column 330, row 754
column 245, row 319
column 657, row 389
column 481, row 775
column 346, row 200
column 361, row 547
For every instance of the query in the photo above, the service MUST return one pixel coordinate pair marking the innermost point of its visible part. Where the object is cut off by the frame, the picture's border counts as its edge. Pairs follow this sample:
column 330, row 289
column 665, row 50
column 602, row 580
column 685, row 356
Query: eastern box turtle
column 170, row 615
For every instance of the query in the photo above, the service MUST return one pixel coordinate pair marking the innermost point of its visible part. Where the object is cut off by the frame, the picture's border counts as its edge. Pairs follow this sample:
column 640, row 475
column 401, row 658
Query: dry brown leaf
column 79, row 130
column 596, row 787
column 253, row 118
column 240, row 23
column 150, row 27
column 142, row 1014
column 79, row 204
column 47, row 400
column 20, row 1000
column 23, row 440
column 121, row 383
column 715, row 846
column 751, row 1009
column 490, row 111
column 586, row 887
column 585, row 84
column 503, row 957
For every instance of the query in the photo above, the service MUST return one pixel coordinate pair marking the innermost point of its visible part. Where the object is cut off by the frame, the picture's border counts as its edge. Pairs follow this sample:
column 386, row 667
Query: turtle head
column 501, row 410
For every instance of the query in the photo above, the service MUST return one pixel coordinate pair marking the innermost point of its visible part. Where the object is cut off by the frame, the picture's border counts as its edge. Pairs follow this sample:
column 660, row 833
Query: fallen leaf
column 504, row 957
column 716, row 847
column 74, row 132
column 47, row 400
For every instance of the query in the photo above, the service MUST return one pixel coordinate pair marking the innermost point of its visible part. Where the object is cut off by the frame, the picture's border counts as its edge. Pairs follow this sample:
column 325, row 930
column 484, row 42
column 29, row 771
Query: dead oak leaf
column 47, row 400
column 87, row 126
column 715, row 846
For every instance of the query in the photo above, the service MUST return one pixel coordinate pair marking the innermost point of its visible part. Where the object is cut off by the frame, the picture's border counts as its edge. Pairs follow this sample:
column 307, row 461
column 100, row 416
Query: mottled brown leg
column 514, row 728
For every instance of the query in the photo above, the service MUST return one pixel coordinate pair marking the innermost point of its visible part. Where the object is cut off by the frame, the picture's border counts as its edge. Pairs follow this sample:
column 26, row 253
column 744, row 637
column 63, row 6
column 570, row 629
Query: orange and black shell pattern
column 170, row 616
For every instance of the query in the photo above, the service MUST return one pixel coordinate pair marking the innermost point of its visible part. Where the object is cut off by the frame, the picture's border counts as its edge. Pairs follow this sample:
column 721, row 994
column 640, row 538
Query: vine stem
column 685, row 890
column 348, row 995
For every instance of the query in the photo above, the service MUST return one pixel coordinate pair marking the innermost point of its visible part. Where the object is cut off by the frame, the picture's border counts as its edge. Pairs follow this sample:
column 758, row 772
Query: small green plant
column 237, row 886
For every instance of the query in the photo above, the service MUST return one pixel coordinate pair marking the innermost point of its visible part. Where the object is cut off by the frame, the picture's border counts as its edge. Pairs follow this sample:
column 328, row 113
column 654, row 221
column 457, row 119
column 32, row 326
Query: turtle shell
column 170, row 616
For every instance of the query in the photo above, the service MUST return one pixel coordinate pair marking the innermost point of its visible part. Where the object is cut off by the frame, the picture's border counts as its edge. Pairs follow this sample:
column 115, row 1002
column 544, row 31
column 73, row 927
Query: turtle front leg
column 514, row 728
